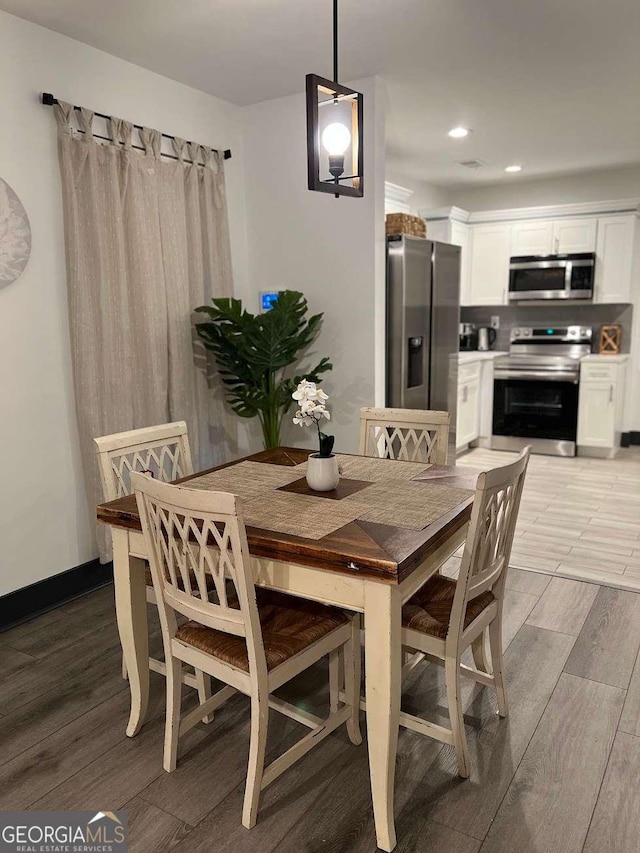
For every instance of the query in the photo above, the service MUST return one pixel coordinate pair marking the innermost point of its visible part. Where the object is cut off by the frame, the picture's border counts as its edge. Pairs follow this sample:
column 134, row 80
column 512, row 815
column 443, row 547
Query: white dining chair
column 413, row 435
column 252, row 643
column 164, row 451
column 447, row 616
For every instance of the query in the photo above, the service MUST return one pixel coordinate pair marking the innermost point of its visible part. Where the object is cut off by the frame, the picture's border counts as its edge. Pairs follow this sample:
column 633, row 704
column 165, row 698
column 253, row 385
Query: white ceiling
column 551, row 84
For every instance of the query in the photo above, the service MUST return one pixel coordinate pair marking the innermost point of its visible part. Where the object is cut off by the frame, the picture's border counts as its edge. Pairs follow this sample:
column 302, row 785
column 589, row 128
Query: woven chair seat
column 289, row 625
column 429, row 610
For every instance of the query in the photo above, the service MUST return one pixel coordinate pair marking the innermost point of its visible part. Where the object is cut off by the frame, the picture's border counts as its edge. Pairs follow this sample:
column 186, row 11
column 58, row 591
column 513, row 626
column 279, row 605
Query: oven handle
column 547, row 375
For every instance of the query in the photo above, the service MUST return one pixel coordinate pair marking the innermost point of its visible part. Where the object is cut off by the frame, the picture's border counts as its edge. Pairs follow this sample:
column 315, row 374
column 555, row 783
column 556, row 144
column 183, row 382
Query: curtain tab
column 194, row 152
column 114, row 130
column 179, row 146
column 207, row 158
column 151, row 141
column 219, row 157
column 127, row 132
column 218, row 180
column 63, row 112
column 85, row 121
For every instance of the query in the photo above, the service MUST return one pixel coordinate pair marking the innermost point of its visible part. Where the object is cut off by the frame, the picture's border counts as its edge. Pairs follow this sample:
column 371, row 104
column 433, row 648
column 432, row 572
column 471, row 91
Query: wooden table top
column 359, row 548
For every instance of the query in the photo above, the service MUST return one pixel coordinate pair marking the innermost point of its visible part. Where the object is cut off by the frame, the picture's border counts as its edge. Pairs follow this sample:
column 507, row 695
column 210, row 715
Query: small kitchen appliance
column 468, row 337
column 486, row 338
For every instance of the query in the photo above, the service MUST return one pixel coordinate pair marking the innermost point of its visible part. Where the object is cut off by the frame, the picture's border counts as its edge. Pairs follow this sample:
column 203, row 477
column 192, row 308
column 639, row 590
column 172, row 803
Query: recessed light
column 459, row 132
column 513, row 168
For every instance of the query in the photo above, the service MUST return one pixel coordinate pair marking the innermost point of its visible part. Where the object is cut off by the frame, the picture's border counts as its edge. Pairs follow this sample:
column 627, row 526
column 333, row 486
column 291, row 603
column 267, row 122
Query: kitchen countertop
column 615, row 359
column 470, row 356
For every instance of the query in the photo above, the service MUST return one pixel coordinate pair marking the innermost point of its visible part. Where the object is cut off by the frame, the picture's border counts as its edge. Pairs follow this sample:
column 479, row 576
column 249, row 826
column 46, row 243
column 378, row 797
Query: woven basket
column 404, row 223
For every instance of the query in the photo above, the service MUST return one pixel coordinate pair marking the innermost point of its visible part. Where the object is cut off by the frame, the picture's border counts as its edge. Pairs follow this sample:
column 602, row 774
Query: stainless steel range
column 535, row 398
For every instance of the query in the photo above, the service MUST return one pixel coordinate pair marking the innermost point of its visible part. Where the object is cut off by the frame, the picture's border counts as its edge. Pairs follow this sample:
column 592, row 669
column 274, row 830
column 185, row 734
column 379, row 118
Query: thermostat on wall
column 267, row 299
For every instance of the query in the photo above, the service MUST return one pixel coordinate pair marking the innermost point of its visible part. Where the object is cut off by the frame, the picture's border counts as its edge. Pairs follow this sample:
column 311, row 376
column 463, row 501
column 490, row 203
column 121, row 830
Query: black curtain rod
column 49, row 100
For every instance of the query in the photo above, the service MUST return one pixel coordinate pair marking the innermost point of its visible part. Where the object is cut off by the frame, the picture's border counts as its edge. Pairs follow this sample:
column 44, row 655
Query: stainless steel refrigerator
column 422, row 334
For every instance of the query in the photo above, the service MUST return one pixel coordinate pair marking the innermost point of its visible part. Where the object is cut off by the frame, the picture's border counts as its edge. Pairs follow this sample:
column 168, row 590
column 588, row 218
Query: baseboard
column 24, row 604
column 629, row 438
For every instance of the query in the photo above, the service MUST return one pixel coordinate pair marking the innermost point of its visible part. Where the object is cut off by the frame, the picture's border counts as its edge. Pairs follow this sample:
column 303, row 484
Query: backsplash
column 553, row 314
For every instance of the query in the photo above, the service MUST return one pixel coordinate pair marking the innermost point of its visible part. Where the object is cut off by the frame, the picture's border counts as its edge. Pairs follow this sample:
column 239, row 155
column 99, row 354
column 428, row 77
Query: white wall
column 424, row 194
column 570, row 189
column 46, row 525
column 330, row 249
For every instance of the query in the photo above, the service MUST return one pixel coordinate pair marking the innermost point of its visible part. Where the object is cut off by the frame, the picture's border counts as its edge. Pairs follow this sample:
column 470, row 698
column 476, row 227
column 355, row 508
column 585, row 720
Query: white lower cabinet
column 468, row 420
column 600, row 408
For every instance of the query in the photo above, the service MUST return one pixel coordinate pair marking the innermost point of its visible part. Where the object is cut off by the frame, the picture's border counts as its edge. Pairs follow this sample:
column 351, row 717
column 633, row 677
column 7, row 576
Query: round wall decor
column 15, row 235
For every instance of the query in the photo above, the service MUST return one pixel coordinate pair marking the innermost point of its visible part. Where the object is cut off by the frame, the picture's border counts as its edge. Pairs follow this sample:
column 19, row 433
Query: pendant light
column 334, row 131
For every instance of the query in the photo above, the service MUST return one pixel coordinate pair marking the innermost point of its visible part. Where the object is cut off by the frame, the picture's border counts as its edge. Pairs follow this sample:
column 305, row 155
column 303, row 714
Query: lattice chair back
column 163, row 450
column 487, row 551
column 412, row 435
column 192, row 537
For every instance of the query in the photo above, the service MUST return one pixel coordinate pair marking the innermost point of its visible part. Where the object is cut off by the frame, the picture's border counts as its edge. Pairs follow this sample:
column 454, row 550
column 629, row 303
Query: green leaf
column 254, row 352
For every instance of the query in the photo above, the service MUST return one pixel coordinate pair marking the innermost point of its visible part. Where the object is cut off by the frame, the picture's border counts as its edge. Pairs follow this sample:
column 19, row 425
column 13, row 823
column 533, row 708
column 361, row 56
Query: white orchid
column 308, row 392
column 312, row 410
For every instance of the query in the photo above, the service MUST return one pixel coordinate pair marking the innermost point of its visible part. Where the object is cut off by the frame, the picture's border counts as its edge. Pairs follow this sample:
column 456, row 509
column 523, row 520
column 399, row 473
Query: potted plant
column 254, row 354
column 322, row 467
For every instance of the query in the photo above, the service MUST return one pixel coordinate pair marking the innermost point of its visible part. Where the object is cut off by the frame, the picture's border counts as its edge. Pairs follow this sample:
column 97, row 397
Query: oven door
column 537, row 406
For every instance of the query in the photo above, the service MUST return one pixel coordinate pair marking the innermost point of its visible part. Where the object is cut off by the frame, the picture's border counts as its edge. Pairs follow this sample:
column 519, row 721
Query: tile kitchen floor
column 559, row 775
column 579, row 517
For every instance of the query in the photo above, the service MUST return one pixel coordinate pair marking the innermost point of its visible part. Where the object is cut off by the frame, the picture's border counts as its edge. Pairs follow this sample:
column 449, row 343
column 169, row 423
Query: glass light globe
column 336, row 138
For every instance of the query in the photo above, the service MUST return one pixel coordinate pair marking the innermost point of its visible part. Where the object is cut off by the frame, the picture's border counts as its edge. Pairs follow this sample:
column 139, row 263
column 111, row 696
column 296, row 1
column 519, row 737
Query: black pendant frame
column 334, row 186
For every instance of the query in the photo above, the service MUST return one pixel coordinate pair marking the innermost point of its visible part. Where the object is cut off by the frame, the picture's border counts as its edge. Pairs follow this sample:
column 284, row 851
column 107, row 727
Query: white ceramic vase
column 322, row 473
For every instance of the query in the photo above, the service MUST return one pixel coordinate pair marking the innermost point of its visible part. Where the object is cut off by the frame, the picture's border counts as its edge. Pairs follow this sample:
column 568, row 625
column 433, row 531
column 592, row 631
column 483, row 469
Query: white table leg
column 131, row 613
column 382, row 684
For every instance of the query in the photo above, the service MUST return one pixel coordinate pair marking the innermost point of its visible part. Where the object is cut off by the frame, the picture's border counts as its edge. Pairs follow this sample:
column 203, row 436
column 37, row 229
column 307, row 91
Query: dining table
column 360, row 547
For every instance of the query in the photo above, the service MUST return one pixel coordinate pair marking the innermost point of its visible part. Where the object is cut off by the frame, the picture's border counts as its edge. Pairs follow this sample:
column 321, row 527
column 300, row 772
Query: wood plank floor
column 558, row 776
column 579, row 517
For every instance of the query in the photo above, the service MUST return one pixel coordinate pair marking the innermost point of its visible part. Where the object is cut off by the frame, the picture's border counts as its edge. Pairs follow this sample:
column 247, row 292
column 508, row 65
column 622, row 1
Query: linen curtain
column 146, row 241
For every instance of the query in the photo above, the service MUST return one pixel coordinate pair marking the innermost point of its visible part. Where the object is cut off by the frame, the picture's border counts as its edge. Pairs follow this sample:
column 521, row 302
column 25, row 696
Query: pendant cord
column 335, row 41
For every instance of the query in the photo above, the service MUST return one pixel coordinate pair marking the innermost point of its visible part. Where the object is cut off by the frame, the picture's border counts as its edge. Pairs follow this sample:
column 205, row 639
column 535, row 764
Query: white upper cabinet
column 533, row 237
column 614, row 258
column 460, row 237
column 553, row 236
column 489, row 239
column 489, row 269
column 451, row 231
column 574, row 235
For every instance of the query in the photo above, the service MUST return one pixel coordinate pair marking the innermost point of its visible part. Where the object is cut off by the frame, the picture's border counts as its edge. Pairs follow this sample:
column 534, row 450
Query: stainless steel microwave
column 551, row 277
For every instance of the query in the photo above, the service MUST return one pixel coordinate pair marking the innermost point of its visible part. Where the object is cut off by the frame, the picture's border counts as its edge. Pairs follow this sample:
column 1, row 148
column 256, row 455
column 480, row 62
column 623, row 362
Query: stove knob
column 517, row 333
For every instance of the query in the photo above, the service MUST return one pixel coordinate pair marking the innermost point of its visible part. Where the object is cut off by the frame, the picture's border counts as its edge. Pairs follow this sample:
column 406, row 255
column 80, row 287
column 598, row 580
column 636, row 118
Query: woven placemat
column 407, row 504
column 247, row 479
column 299, row 515
column 375, row 470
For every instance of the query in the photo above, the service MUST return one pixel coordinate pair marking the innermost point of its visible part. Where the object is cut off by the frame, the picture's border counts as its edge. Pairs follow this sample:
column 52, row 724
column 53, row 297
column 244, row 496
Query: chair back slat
column 411, row 435
column 163, row 450
column 199, row 557
column 487, row 550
